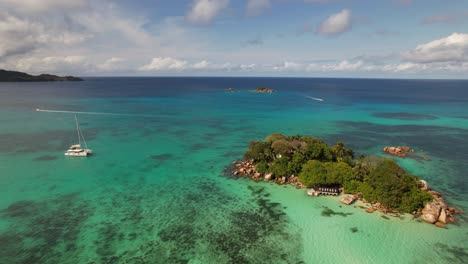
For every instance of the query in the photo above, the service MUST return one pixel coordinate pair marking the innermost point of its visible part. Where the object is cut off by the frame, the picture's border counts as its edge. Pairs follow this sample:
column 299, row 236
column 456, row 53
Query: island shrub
column 317, row 150
column 282, row 147
column 259, row 151
column 341, row 153
column 313, row 173
column 274, row 137
column 295, row 165
column 262, row 166
column 337, row 172
column 279, row 167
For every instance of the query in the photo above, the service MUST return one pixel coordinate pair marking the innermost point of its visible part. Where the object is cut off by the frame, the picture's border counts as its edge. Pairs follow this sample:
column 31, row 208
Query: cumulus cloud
column 112, row 64
column 169, row 64
column 336, row 23
column 20, row 35
column 54, row 64
column 453, row 48
column 159, row 63
column 29, row 25
column 204, row 11
column 256, row 7
column 34, row 6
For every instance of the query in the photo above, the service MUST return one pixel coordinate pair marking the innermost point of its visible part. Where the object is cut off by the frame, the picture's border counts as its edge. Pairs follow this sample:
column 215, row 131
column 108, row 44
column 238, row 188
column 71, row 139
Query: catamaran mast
column 78, row 130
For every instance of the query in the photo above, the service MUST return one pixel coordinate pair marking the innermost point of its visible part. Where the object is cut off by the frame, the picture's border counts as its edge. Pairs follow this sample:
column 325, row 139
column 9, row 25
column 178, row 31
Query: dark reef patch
column 405, row 116
column 161, row 157
column 45, row 158
column 354, row 229
column 454, row 254
column 254, row 233
column 42, row 231
column 329, row 212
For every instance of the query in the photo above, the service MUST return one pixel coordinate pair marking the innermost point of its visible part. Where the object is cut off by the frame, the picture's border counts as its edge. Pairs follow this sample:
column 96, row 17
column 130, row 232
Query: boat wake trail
column 315, row 98
column 94, row 113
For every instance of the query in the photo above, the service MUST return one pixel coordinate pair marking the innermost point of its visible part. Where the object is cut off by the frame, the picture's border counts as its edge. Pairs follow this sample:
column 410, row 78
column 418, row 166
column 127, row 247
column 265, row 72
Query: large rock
column 443, row 204
column 268, row 176
column 424, row 185
column 443, row 217
column 431, row 212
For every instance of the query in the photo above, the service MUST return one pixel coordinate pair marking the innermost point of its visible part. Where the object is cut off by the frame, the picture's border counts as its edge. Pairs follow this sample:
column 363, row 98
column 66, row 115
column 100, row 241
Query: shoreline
column 445, row 215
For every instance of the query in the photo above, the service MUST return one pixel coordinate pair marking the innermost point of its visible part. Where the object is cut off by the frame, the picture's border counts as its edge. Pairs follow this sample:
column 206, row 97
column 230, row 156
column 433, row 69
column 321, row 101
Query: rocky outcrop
column 431, row 212
column 264, row 90
column 437, row 211
column 443, row 216
column 348, row 199
column 247, row 168
column 423, row 185
column 399, row 151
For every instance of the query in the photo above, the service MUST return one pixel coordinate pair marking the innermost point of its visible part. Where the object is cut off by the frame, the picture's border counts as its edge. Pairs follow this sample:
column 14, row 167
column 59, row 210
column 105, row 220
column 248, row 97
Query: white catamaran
column 76, row 150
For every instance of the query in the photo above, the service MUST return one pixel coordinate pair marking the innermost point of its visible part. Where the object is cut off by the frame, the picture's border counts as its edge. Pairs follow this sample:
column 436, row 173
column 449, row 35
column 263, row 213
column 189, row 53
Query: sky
column 283, row 38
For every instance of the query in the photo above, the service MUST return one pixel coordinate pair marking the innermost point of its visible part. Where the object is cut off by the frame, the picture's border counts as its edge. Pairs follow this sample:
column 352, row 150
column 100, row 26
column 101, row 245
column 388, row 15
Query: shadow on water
column 329, row 212
column 454, row 254
column 405, row 116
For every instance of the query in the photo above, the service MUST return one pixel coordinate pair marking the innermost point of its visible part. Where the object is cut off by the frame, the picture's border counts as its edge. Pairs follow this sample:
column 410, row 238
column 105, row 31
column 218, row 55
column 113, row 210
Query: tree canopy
column 317, row 164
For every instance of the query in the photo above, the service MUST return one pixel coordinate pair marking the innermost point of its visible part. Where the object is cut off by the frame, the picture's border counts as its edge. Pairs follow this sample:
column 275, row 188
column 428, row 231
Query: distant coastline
column 15, row 76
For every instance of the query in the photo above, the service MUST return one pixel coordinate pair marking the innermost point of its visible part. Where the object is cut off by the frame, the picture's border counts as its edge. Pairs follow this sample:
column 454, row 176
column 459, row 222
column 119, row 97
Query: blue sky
column 310, row 38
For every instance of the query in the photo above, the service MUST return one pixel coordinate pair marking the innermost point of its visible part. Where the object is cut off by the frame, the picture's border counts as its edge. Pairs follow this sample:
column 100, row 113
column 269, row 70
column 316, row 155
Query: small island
column 15, row 76
column 264, row 90
column 308, row 162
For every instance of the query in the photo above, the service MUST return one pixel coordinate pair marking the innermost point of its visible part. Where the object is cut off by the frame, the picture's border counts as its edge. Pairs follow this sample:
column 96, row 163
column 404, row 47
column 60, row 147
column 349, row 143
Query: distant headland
column 308, row 162
column 15, row 76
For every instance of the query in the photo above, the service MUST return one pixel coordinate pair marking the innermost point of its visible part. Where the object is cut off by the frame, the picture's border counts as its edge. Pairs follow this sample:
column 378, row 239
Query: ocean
column 156, row 189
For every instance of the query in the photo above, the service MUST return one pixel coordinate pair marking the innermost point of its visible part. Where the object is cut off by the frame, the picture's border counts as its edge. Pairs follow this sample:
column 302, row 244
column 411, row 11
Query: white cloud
column 169, row 64
column 289, row 66
column 34, row 6
column 453, row 48
column 112, row 64
column 161, row 64
column 204, row 11
column 51, row 26
column 52, row 64
column 336, row 24
column 20, row 35
column 344, row 65
column 256, row 7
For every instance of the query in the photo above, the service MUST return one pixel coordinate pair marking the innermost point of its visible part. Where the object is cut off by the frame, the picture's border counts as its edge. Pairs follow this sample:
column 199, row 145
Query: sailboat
column 76, row 150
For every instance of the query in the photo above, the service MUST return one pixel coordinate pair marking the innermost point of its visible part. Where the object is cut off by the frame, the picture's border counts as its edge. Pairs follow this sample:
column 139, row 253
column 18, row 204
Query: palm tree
column 339, row 151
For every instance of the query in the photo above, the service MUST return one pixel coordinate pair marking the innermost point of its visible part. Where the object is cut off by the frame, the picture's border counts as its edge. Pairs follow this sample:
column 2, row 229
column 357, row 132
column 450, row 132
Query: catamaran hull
column 84, row 153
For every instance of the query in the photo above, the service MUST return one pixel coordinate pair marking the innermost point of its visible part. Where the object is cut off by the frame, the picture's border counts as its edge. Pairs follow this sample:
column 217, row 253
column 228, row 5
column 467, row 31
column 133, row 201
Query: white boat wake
column 93, row 113
column 315, row 98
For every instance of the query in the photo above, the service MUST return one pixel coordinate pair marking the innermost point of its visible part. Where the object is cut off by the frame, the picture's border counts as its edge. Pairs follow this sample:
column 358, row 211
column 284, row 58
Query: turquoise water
column 155, row 191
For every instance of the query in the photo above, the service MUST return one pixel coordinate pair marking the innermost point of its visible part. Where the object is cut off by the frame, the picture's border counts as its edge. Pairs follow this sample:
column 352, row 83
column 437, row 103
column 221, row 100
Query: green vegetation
column 317, row 164
column 264, row 90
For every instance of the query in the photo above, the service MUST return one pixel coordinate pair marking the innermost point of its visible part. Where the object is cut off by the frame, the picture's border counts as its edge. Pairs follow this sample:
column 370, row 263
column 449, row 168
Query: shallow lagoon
column 155, row 192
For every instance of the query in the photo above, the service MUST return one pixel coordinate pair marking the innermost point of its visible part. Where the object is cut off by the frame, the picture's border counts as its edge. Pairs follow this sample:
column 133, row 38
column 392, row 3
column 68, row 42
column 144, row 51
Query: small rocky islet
column 309, row 163
column 257, row 90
